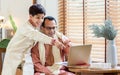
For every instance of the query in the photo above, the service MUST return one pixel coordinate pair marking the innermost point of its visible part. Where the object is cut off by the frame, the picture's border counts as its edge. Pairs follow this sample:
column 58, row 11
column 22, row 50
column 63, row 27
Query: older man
column 46, row 56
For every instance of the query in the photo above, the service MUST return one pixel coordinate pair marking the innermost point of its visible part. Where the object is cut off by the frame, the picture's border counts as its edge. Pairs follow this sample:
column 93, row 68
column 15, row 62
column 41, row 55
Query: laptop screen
column 79, row 55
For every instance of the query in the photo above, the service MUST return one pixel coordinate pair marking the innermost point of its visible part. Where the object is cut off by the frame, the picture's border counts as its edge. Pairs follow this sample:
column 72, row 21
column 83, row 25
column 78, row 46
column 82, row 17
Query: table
column 2, row 50
column 90, row 71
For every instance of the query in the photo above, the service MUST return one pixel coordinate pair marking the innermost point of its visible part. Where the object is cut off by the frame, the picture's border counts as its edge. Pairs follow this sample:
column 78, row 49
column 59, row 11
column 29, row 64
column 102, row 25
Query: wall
column 17, row 8
column 51, row 7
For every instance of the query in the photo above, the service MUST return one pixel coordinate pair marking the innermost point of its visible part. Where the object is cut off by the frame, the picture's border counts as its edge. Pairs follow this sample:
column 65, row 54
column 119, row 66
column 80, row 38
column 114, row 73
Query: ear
column 30, row 16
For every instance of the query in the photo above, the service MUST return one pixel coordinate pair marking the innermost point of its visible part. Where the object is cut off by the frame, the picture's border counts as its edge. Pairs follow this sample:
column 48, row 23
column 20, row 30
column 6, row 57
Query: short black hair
column 37, row 9
column 49, row 18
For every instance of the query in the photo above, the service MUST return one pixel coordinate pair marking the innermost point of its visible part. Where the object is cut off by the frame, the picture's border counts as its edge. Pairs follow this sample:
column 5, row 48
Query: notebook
column 79, row 56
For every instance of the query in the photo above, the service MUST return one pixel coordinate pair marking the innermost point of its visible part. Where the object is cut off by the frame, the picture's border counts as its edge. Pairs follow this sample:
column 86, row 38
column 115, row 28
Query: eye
column 42, row 17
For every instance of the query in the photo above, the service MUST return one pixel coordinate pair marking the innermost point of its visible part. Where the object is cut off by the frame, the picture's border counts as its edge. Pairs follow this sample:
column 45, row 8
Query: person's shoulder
column 26, row 25
column 58, row 34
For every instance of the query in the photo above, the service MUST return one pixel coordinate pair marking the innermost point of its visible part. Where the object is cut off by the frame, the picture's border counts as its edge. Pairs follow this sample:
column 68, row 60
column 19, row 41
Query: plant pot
column 111, row 53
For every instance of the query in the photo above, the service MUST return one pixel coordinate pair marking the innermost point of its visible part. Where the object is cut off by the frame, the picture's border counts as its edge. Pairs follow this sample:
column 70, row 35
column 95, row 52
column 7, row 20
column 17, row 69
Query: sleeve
column 66, row 42
column 59, row 34
column 39, row 68
column 38, row 36
column 63, row 38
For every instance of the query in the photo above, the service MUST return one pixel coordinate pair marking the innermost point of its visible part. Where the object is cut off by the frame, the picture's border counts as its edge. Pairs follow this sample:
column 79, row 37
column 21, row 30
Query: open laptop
column 79, row 56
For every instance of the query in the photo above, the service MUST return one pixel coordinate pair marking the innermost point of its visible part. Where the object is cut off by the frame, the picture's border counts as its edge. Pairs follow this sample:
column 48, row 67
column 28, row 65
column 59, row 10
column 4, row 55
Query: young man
column 24, row 39
column 46, row 56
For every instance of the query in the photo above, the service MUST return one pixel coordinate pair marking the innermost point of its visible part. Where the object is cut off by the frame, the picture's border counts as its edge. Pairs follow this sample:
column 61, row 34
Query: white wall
column 51, row 7
column 17, row 8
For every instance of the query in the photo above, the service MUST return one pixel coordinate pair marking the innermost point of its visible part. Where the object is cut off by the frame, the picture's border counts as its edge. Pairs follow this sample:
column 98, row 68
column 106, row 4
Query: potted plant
column 108, row 32
column 4, row 42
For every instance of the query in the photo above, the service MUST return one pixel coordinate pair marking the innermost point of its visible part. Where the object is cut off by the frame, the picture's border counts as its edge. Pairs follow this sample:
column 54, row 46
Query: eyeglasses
column 50, row 28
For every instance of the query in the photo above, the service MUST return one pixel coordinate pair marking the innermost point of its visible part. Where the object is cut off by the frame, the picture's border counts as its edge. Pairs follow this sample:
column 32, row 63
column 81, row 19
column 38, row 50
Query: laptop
column 79, row 56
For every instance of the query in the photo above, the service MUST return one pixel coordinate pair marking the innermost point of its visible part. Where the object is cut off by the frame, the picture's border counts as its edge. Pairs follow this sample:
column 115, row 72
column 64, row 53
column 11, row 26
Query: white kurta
column 20, row 44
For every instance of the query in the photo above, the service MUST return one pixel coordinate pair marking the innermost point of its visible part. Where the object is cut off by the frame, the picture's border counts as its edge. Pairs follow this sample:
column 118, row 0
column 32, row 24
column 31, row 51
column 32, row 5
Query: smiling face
column 49, row 27
column 37, row 20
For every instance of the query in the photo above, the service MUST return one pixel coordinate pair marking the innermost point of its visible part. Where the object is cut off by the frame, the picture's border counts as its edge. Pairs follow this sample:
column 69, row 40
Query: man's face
column 49, row 27
column 37, row 19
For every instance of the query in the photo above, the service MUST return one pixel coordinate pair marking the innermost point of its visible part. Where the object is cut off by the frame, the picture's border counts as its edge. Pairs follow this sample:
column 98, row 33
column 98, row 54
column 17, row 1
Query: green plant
column 4, row 42
column 12, row 23
column 107, row 31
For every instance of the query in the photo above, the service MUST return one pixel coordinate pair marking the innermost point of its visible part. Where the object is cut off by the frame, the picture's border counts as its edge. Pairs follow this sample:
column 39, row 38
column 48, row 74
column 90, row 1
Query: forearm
column 38, row 36
column 40, row 68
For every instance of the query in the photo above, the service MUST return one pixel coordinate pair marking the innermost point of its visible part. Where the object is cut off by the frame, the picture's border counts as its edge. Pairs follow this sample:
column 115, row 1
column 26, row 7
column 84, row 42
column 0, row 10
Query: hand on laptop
column 82, row 63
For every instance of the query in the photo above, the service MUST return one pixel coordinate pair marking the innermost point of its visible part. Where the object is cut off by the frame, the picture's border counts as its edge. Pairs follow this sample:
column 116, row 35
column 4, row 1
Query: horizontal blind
column 78, row 15
column 73, row 19
column 61, row 15
column 95, row 14
column 113, row 12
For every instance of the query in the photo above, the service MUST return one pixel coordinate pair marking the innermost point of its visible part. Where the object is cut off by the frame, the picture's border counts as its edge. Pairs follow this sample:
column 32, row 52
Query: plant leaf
column 13, row 23
column 4, row 43
column 107, row 31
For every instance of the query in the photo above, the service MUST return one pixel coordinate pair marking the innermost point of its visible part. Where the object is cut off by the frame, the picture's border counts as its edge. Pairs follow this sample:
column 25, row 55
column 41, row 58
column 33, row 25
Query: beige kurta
column 21, row 44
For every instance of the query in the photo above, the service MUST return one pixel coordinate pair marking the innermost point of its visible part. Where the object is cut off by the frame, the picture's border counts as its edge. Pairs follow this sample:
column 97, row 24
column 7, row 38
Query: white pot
column 111, row 53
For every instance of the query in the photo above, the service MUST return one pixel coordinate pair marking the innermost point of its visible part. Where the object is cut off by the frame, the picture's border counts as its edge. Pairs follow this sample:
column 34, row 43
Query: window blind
column 73, row 10
column 113, row 12
column 94, row 14
column 75, row 17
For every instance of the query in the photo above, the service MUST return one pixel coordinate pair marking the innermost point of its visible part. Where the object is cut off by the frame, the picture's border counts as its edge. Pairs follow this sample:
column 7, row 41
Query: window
column 34, row 1
column 75, row 16
column 113, row 11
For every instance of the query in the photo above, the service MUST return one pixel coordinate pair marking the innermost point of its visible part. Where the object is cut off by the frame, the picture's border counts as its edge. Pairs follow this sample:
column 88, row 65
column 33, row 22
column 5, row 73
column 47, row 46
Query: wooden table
column 2, row 50
column 88, row 71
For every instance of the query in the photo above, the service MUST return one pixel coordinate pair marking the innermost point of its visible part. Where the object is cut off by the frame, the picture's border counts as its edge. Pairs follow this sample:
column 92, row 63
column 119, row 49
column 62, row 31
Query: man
column 46, row 56
column 19, row 48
